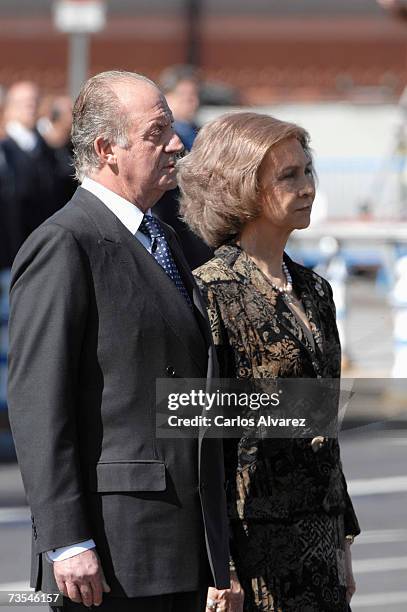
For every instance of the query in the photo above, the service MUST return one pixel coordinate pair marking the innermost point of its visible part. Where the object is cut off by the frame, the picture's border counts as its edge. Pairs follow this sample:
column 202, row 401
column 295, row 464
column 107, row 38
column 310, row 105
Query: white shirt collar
column 125, row 211
column 25, row 138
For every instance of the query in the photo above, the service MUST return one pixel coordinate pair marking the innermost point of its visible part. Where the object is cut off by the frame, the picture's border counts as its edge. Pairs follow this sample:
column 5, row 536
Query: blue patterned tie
column 151, row 227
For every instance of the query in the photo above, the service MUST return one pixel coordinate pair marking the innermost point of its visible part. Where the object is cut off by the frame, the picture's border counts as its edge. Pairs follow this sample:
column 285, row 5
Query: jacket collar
column 106, row 222
column 129, row 214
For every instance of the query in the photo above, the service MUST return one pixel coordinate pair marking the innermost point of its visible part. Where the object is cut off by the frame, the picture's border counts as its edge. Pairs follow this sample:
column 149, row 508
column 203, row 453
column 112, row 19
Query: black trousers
column 193, row 601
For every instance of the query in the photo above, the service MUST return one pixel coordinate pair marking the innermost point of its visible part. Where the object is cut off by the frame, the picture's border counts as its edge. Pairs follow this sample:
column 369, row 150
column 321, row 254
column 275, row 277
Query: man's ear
column 104, row 151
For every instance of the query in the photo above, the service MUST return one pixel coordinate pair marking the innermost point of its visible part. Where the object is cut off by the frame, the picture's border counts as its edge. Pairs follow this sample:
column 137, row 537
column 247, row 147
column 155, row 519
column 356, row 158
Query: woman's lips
column 307, row 207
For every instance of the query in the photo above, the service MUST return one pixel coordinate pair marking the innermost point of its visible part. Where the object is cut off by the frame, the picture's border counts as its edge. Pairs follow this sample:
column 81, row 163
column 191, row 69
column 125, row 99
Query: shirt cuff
column 59, row 554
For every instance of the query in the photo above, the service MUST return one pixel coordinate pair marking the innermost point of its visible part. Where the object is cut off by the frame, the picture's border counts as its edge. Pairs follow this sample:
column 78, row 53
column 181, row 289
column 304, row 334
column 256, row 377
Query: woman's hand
column 350, row 580
column 226, row 600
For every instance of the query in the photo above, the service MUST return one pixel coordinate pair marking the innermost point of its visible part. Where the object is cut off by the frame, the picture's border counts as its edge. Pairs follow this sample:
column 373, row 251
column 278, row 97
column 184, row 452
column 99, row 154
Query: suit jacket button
column 170, row 371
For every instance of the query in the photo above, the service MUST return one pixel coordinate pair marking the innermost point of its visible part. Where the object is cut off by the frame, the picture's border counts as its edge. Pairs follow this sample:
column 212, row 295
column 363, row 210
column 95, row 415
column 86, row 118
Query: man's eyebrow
column 164, row 120
column 154, row 125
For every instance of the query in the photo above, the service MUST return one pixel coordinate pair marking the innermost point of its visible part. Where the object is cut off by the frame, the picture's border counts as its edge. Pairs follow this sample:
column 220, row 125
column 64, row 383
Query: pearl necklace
column 287, row 289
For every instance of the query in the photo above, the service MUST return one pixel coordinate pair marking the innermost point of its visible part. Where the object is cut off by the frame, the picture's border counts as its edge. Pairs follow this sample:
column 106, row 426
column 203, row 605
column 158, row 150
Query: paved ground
column 375, row 463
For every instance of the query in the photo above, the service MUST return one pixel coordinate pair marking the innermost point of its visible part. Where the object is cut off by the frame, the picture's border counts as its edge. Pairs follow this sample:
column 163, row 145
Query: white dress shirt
column 131, row 217
column 26, row 139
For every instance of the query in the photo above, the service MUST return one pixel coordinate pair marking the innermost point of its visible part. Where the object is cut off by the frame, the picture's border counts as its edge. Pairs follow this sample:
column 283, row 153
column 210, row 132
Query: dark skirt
column 299, row 567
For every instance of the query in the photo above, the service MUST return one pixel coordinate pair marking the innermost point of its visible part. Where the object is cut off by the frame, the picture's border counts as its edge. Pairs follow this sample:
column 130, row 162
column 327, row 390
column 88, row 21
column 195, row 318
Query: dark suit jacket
column 94, row 321
column 14, row 198
column 33, row 185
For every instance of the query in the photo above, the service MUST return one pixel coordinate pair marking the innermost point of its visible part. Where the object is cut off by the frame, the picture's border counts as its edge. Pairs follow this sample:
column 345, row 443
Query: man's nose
column 175, row 144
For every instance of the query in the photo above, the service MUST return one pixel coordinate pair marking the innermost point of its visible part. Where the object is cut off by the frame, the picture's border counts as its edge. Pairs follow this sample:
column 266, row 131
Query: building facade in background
column 268, row 51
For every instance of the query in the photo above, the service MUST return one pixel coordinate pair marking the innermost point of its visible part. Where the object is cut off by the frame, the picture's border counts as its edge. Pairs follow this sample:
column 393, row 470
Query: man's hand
column 227, row 600
column 350, row 580
column 81, row 578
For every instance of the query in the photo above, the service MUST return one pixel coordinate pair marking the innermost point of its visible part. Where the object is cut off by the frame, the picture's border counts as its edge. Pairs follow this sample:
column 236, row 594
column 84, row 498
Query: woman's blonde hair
column 219, row 177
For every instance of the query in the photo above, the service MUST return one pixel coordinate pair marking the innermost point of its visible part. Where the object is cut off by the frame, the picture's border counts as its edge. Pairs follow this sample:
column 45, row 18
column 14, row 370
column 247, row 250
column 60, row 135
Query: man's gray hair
column 99, row 112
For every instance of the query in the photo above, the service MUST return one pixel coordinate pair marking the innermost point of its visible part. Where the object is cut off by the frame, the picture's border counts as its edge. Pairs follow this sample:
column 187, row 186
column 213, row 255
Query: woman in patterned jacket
column 246, row 185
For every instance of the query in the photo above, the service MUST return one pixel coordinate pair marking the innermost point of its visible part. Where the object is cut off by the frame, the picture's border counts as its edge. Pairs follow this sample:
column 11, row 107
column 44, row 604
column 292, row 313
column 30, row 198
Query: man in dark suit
column 181, row 87
column 36, row 180
column 103, row 304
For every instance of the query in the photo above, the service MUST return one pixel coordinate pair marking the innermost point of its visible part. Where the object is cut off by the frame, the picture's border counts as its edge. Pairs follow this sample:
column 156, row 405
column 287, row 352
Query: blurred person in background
column 19, row 113
column 17, row 181
column 33, row 188
column 56, row 130
column 36, row 179
column 4, row 280
column 397, row 7
column 181, row 86
column 246, row 185
column 2, row 97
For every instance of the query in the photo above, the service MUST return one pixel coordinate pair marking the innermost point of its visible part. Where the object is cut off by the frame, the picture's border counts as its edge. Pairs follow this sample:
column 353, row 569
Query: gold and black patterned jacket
column 258, row 336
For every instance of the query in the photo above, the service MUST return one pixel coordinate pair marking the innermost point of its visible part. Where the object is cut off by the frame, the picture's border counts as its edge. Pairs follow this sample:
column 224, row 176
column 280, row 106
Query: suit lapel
column 190, row 284
column 144, row 272
column 106, row 222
